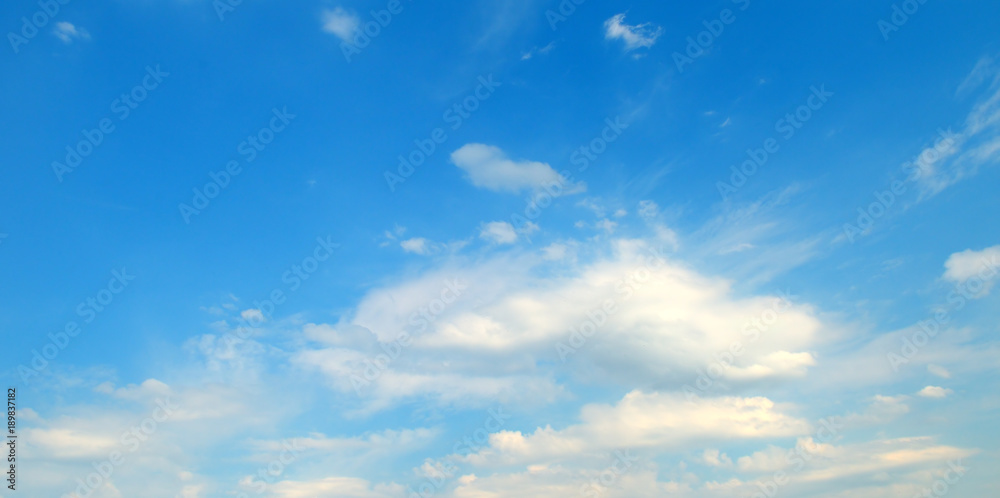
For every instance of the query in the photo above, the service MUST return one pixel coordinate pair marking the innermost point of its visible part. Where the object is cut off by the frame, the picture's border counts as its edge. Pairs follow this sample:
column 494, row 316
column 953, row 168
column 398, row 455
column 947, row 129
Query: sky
column 501, row 248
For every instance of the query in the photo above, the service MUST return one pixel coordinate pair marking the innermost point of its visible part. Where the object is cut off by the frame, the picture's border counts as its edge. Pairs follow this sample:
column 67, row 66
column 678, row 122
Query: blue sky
column 729, row 248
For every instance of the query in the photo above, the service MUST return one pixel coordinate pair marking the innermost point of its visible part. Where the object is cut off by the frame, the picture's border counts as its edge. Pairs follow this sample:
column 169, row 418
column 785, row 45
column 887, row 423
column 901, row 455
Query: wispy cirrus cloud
column 975, row 145
column 633, row 36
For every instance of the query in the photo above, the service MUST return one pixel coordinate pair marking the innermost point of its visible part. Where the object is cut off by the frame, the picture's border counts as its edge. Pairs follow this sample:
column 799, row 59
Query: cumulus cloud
column 667, row 321
column 341, row 23
column 488, row 167
column 648, row 320
column 637, row 36
column 819, row 462
column 485, row 332
column 498, row 232
column 974, row 269
column 643, row 420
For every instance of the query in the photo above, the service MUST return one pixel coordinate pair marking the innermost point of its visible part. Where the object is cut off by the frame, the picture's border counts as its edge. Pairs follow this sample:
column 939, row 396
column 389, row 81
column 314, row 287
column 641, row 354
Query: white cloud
column 974, row 269
column 544, row 50
column 498, row 232
column 488, row 167
column 544, row 481
column 643, row 420
column 252, row 314
column 639, row 35
column 767, row 460
column 935, row 392
column 416, row 245
column 341, row 23
column 648, row 209
column 67, row 32
column 667, row 323
column 426, row 247
column 959, row 155
column 487, row 348
column 385, row 441
column 714, row 458
column 149, row 390
column 391, row 236
column 606, row 225
column 985, row 69
column 67, row 446
column 335, row 487
column 828, row 463
column 555, row 251
column 71, row 442
column 827, row 470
